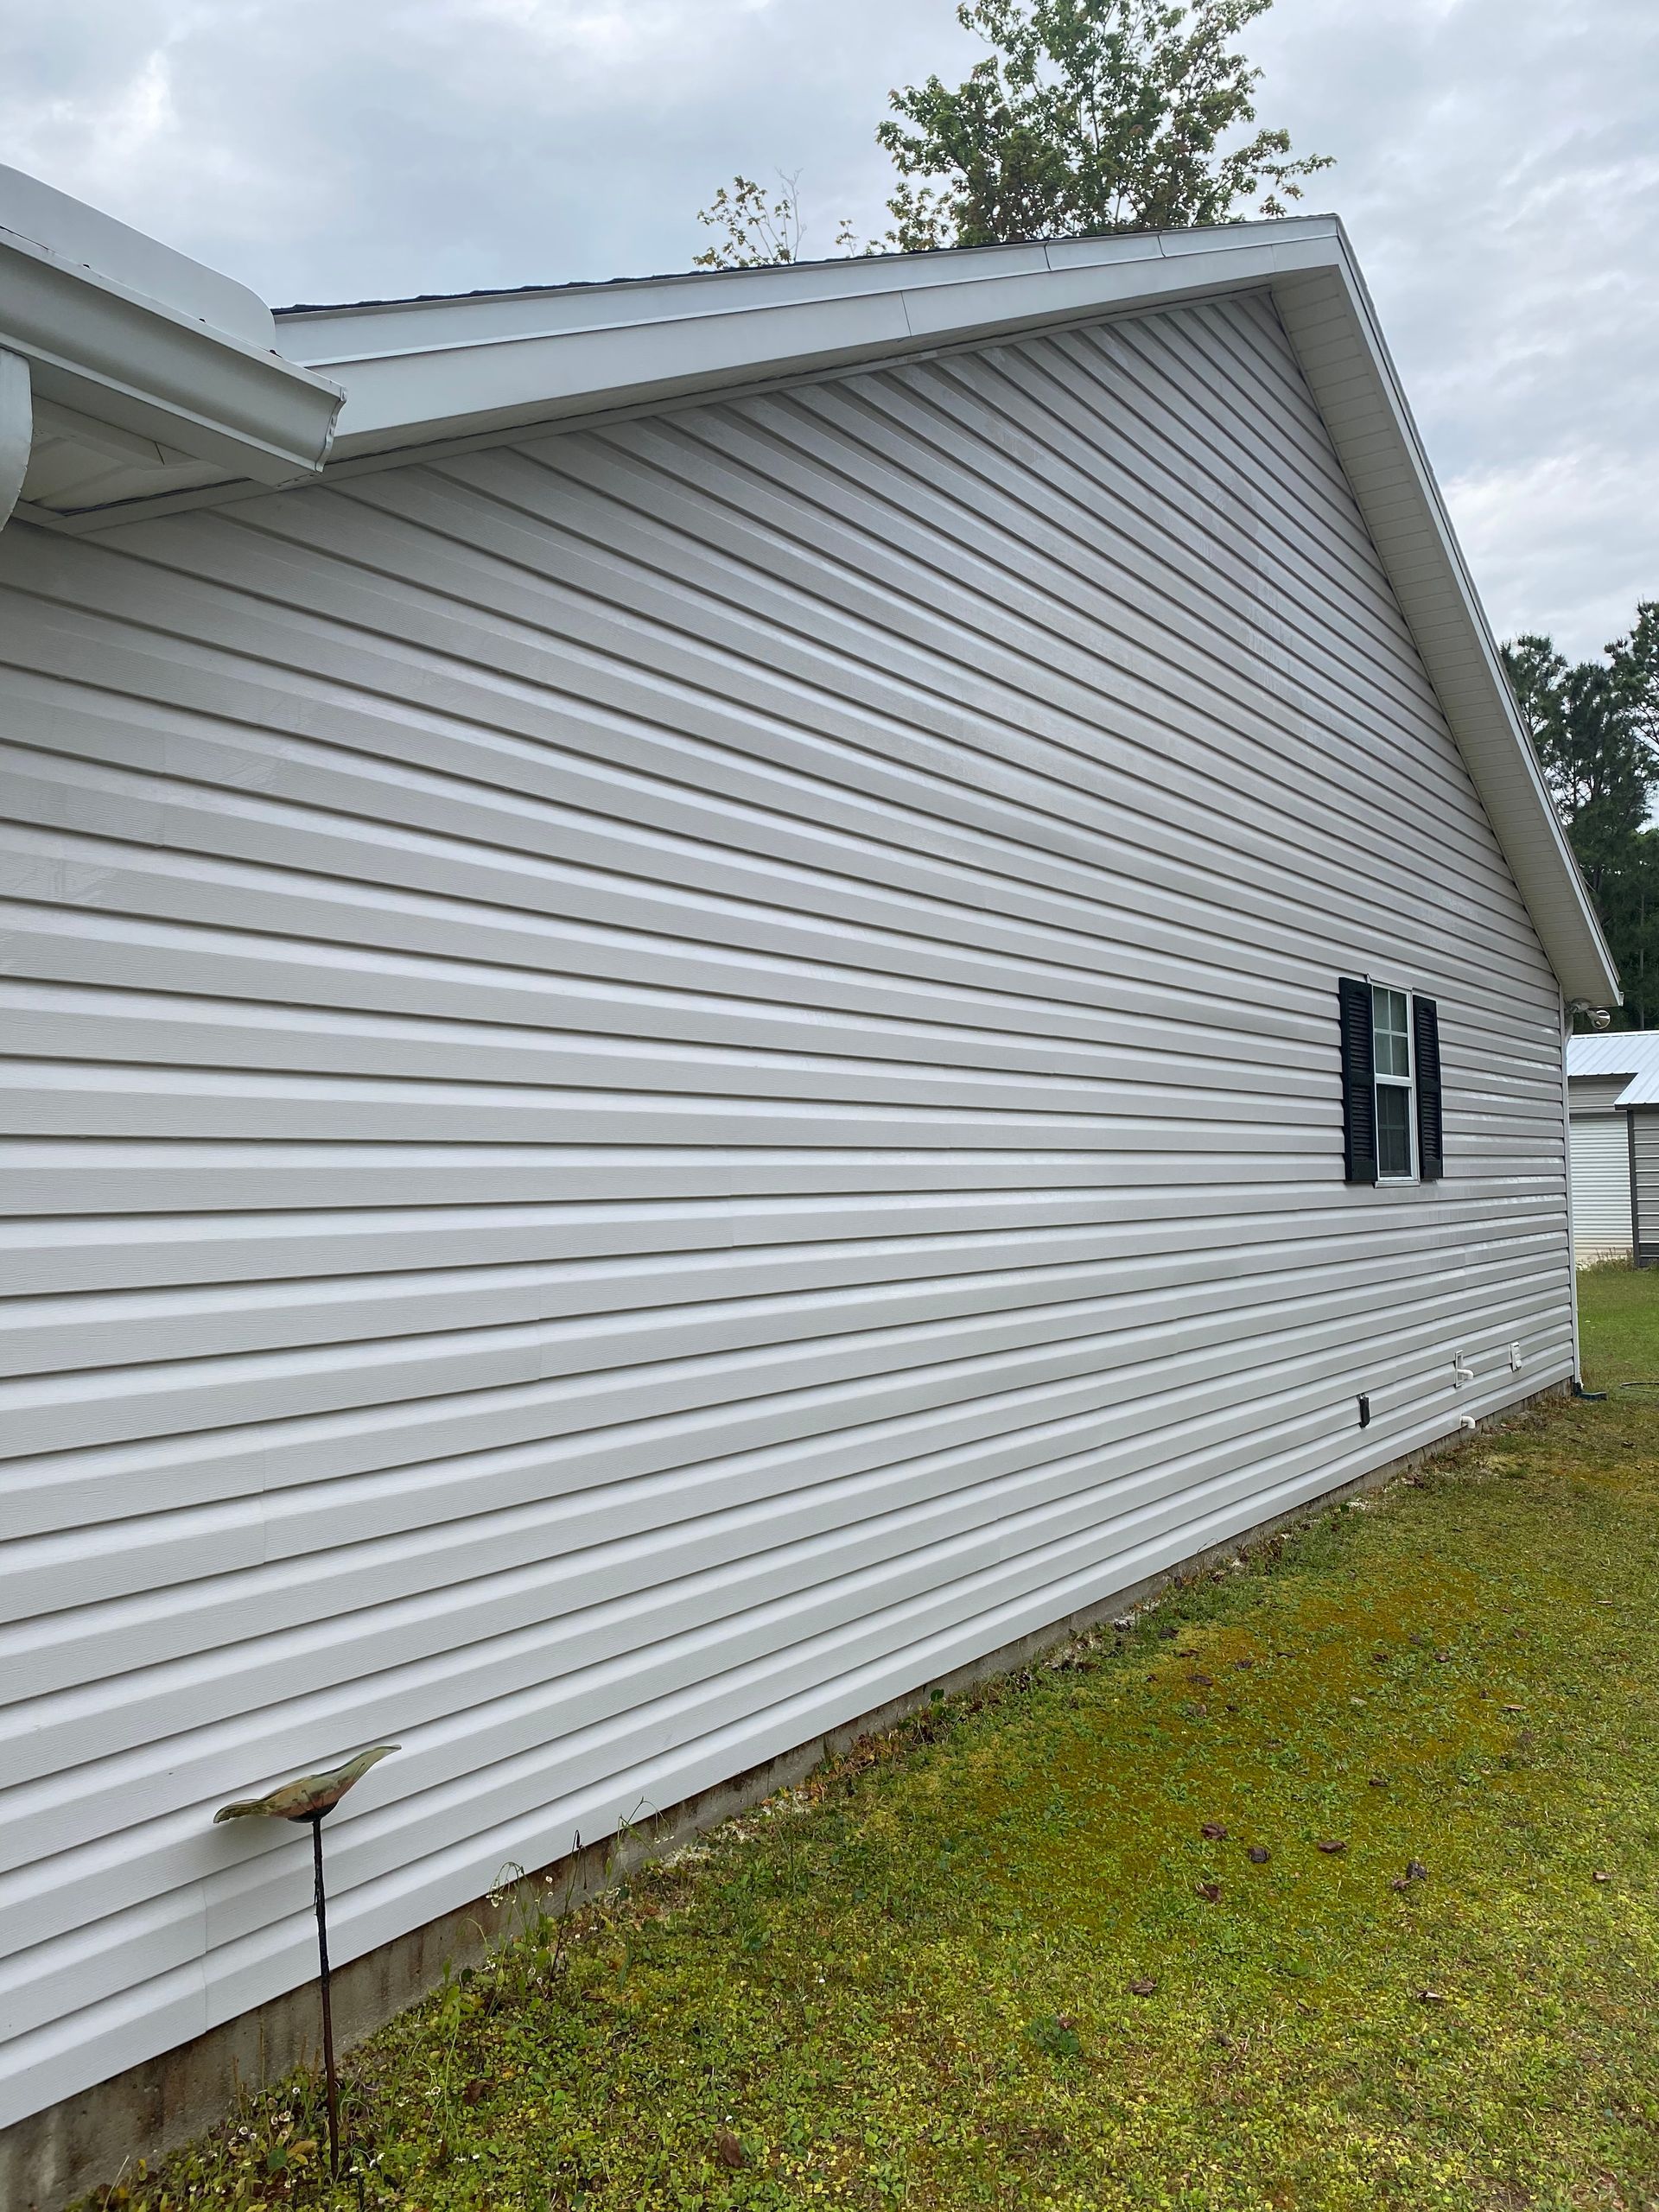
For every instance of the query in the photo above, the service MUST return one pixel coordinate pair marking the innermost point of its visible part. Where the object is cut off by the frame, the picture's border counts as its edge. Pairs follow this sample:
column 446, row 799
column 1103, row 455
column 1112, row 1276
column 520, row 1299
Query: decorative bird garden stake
column 308, row 1798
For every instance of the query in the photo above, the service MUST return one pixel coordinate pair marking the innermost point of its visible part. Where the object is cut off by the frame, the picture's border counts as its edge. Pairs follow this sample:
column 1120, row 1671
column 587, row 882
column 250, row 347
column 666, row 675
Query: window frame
column 1406, row 1083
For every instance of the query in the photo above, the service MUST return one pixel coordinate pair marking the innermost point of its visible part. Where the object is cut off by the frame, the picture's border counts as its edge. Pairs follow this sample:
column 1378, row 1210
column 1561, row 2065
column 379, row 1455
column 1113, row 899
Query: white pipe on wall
column 17, row 431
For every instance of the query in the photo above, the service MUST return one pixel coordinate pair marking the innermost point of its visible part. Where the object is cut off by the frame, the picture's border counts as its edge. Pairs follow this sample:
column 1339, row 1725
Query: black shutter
column 1359, row 1082
column 1426, row 1065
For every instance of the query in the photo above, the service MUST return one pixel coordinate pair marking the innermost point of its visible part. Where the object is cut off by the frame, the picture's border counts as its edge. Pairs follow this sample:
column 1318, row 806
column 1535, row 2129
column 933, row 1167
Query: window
column 1391, row 1072
column 1391, row 1129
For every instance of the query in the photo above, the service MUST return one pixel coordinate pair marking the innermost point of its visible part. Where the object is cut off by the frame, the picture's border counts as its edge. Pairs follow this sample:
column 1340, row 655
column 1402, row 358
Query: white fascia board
column 419, row 371
column 1329, row 317
column 503, row 383
column 123, row 358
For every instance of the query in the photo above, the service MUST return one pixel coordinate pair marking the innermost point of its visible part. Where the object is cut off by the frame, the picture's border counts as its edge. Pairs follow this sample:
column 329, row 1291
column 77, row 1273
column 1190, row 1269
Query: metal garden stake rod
column 308, row 1798
column 321, row 1896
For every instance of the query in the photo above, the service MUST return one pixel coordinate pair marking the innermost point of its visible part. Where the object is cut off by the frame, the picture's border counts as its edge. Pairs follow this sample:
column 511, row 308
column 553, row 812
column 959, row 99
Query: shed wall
column 1643, row 1125
column 668, row 1080
column 1589, row 1095
column 1601, row 1187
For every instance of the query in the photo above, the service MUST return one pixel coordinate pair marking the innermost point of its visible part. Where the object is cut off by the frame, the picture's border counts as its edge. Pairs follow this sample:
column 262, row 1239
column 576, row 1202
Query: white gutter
column 121, row 357
column 133, row 337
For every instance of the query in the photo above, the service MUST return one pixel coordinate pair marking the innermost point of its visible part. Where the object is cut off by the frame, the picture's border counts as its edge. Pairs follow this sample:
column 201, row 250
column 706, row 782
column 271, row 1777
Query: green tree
column 1634, row 663
column 1585, row 731
column 1595, row 727
column 1088, row 116
column 753, row 232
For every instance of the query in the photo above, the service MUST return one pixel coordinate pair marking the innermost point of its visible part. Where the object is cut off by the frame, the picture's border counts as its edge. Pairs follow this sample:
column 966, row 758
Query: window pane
column 1393, row 1129
column 1389, row 1041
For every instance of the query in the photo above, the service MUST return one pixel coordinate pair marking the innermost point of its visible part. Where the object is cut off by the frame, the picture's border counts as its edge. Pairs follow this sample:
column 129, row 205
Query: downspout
column 17, row 431
column 1567, row 1162
column 1635, row 1190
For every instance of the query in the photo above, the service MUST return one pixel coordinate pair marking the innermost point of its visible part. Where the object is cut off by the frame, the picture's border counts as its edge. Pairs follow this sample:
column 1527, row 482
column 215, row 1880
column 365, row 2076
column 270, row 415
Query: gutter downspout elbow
column 17, row 431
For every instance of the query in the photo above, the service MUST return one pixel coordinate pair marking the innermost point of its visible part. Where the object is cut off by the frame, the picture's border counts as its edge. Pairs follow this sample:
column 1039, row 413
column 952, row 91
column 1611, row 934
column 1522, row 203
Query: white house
column 1613, row 1100
column 764, row 981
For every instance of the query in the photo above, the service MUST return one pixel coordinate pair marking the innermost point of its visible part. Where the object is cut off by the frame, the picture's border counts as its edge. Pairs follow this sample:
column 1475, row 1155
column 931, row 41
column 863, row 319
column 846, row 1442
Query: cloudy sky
column 1498, row 167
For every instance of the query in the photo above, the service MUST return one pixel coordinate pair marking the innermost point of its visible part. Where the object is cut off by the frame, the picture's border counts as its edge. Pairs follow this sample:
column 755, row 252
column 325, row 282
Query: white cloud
column 1563, row 543
column 1496, row 168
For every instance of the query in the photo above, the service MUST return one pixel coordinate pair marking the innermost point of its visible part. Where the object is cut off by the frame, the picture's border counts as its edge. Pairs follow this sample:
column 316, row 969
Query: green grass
column 1619, row 1319
column 996, row 1961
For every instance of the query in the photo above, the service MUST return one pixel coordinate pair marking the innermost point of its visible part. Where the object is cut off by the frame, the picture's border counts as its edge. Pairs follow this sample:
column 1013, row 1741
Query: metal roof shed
column 1634, row 1110
column 1603, row 1072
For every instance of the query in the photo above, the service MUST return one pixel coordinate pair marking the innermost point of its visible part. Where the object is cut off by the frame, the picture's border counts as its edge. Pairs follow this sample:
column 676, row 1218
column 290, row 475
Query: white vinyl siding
column 668, row 1079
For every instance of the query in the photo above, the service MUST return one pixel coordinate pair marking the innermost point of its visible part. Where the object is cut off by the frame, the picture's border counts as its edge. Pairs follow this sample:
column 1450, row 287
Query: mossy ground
column 914, row 1982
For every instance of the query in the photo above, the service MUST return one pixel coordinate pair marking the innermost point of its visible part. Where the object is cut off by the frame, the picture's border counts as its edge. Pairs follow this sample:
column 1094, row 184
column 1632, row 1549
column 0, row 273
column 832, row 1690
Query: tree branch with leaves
column 1086, row 116
column 1089, row 116
column 1594, row 726
column 753, row 232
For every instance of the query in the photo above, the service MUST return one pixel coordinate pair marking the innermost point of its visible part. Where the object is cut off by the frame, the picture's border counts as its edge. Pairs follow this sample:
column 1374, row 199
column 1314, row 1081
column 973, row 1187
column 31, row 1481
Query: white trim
column 1407, row 1082
column 1571, row 1236
column 1643, row 1090
column 420, row 370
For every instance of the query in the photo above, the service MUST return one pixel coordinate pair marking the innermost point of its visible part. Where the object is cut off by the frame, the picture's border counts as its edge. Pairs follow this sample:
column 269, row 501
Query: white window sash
column 1407, row 1083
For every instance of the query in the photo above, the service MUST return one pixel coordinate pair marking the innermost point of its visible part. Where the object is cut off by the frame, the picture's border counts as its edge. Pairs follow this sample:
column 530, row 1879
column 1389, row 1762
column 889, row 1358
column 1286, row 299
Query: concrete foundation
column 59, row 2155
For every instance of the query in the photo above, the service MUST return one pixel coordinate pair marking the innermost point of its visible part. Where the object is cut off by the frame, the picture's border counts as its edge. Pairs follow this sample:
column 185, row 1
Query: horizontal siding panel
column 95, row 1255
column 159, row 1030
column 579, row 1715
column 1644, row 1138
column 440, row 1556
column 667, row 1426
column 977, row 1334
column 64, row 1333
column 663, row 1080
column 1596, row 1094
column 639, row 882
